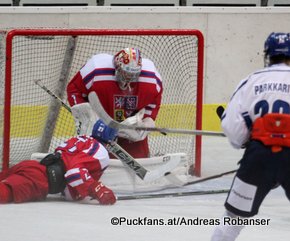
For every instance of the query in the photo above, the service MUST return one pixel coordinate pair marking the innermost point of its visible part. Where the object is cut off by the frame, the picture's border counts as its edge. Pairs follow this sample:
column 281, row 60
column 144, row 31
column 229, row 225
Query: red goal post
column 35, row 122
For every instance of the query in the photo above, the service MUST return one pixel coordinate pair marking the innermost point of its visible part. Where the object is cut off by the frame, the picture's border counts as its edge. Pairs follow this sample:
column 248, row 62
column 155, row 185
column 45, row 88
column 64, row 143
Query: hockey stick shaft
column 177, row 131
column 210, row 178
column 127, row 159
column 172, row 194
column 121, row 154
column 38, row 82
column 95, row 102
column 219, row 111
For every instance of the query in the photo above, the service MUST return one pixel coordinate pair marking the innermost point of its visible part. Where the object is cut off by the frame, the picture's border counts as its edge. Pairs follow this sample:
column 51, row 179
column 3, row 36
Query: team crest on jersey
column 124, row 106
column 119, row 115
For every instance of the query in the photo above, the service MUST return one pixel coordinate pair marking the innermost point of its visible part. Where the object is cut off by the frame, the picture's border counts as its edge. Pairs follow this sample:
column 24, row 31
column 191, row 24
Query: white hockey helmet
column 128, row 65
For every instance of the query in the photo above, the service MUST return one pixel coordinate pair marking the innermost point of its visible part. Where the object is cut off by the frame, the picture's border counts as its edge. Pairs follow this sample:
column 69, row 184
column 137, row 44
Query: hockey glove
column 103, row 133
column 136, row 135
column 104, row 195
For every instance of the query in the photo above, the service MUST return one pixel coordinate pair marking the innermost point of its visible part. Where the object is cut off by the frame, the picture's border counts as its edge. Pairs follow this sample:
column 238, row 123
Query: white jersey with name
column 264, row 91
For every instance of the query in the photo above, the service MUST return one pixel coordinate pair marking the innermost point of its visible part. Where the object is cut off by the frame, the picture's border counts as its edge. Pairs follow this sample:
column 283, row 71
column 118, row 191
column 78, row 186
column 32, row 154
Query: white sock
column 226, row 232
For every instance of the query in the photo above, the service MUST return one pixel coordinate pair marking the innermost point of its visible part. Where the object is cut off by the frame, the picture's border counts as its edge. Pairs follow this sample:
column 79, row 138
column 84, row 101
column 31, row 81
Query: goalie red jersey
column 143, row 93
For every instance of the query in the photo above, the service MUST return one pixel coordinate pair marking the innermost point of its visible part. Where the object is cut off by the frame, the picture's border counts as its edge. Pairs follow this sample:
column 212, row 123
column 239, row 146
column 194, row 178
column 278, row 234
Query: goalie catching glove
column 136, row 121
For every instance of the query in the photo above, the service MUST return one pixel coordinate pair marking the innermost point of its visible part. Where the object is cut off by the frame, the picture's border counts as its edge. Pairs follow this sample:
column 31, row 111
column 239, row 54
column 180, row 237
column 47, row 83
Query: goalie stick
column 170, row 161
column 96, row 105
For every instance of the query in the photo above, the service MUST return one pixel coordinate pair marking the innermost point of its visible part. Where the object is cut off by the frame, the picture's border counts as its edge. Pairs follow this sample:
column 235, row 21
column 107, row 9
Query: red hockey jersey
column 98, row 75
column 85, row 159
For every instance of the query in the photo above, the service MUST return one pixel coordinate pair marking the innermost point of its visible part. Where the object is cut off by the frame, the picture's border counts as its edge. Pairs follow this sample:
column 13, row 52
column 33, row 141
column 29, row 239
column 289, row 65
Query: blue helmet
column 277, row 44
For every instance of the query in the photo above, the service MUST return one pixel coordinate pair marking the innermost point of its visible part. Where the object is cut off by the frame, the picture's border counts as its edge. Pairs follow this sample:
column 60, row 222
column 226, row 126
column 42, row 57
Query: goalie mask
column 128, row 64
column 277, row 44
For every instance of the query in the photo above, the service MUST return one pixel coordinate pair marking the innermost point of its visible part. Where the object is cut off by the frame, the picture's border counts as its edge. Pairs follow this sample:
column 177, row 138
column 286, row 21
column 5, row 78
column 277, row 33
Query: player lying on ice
column 74, row 170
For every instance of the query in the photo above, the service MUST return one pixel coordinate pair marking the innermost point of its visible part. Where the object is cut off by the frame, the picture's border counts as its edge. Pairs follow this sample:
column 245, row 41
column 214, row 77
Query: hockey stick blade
column 171, row 162
column 96, row 105
column 220, row 110
column 172, row 194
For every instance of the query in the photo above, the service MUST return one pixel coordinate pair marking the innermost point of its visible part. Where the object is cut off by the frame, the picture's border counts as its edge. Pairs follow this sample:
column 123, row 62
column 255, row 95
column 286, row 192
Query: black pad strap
column 55, row 172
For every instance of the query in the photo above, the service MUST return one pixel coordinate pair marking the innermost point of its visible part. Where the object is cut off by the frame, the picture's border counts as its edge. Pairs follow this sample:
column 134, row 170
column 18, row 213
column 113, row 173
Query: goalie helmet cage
column 36, row 122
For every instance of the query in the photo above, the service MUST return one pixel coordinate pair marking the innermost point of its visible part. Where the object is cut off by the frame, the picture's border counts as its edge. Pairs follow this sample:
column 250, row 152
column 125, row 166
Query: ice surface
column 57, row 220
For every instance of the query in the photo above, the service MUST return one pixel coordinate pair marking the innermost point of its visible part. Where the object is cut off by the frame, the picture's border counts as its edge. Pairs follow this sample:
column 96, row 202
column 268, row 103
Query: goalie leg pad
column 85, row 118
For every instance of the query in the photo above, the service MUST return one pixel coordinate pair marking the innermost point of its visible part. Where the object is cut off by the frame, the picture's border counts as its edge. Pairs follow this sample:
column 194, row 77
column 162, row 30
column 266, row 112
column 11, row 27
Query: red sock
column 5, row 193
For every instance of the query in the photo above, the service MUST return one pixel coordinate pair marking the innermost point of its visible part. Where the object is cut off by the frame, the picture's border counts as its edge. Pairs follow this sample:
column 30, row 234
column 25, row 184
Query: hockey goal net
column 33, row 121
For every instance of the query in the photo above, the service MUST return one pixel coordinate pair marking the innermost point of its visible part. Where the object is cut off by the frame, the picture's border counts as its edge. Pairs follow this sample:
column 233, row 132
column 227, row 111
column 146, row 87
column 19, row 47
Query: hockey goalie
column 129, row 89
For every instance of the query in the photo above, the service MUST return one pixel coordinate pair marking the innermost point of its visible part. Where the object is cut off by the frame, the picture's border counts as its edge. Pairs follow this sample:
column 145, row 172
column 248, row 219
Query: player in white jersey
column 257, row 118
